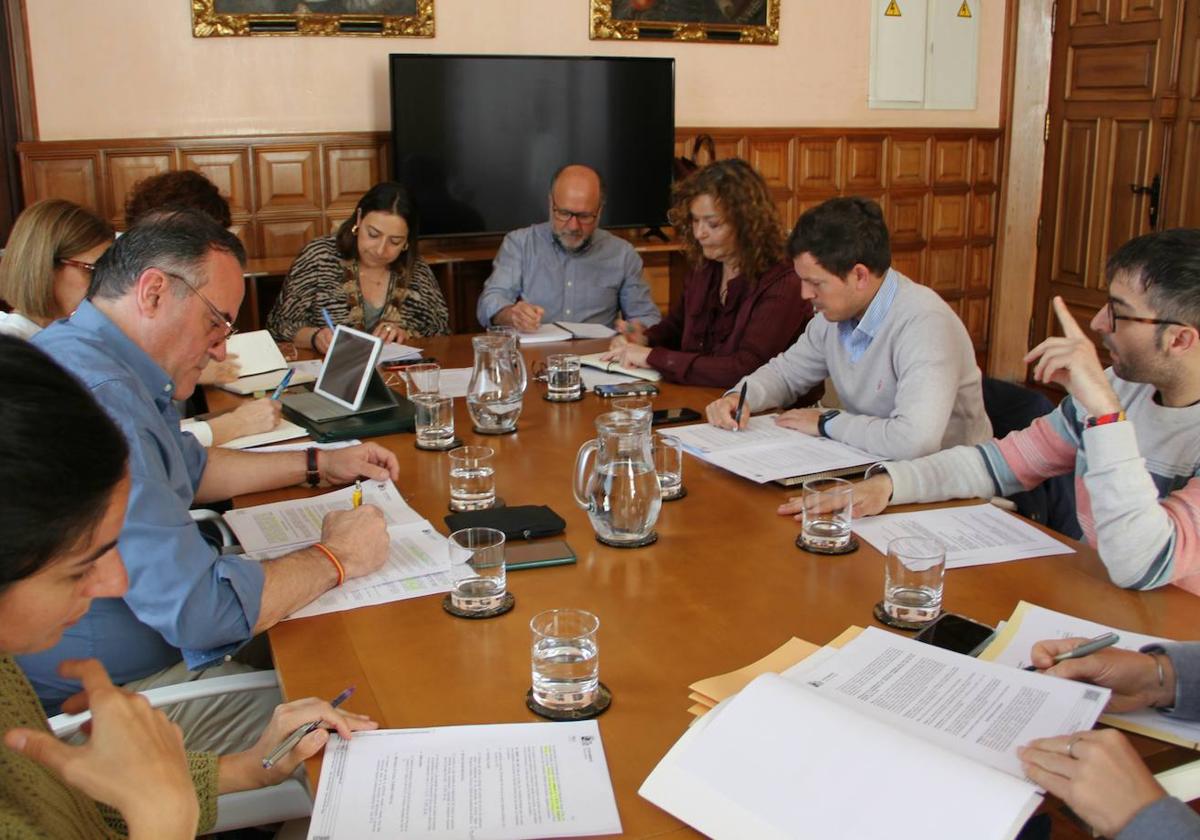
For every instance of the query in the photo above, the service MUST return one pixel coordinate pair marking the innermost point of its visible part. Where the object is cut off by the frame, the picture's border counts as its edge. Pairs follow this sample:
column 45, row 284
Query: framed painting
column 390, row 18
column 717, row 21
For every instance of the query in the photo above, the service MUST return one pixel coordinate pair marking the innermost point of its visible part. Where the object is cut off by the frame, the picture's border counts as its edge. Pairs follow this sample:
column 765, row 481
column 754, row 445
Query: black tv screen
column 477, row 138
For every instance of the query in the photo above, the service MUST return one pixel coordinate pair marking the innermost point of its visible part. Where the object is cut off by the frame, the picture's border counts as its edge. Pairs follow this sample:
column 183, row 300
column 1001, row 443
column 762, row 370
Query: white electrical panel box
column 924, row 54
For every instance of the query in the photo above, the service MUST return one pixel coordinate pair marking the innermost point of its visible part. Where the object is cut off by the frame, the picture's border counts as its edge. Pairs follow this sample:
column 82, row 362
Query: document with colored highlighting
column 764, row 451
column 848, row 741
column 500, row 781
column 1030, row 624
column 974, row 535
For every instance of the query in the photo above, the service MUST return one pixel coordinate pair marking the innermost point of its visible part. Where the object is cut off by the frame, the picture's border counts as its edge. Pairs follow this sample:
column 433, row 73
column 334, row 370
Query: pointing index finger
column 1070, row 327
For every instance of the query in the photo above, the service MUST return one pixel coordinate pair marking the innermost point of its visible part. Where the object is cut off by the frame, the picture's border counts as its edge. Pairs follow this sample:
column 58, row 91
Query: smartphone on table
column 628, row 389
column 667, row 416
column 953, row 632
column 533, row 555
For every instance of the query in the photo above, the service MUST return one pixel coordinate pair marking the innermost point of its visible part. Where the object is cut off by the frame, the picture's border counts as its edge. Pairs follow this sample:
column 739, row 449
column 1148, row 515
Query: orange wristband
column 341, row 571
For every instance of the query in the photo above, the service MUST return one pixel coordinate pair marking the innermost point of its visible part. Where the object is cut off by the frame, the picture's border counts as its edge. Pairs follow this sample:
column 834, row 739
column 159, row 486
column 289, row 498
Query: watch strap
column 312, row 473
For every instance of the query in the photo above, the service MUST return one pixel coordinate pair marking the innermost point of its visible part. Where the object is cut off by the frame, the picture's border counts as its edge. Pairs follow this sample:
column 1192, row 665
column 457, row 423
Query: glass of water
column 637, row 406
column 563, row 378
column 477, row 567
column 472, row 478
column 434, row 420
column 912, row 579
column 826, row 503
column 668, row 464
column 566, row 658
column 423, row 379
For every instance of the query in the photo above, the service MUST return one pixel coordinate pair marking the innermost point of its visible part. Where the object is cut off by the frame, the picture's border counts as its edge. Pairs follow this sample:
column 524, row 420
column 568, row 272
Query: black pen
column 737, row 415
column 293, row 739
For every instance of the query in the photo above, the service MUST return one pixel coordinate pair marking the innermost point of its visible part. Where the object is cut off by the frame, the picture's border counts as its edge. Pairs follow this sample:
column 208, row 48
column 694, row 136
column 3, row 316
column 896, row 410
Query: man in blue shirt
column 160, row 306
column 566, row 269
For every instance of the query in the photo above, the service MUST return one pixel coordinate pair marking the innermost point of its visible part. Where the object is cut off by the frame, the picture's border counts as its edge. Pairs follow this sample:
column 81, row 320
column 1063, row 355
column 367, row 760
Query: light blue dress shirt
column 184, row 599
column 593, row 286
column 856, row 336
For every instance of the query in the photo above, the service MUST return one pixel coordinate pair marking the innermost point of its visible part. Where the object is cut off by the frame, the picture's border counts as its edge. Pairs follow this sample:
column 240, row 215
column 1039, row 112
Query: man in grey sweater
column 1097, row 772
column 900, row 359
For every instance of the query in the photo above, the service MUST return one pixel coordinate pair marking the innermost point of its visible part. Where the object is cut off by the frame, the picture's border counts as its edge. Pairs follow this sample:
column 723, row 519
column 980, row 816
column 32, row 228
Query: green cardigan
column 34, row 802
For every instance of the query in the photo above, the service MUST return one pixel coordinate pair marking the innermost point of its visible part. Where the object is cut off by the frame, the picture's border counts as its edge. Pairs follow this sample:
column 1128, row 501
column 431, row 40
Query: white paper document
column 393, row 352
column 545, row 334
column 286, row 430
column 256, row 352
column 765, row 451
column 851, row 739
column 1030, row 624
column 974, row 535
column 453, row 382
column 581, row 330
column 496, row 782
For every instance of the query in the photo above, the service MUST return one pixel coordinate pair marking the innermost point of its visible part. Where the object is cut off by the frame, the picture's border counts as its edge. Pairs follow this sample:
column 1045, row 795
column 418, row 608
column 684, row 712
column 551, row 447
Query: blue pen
column 283, row 383
column 328, row 320
column 293, row 739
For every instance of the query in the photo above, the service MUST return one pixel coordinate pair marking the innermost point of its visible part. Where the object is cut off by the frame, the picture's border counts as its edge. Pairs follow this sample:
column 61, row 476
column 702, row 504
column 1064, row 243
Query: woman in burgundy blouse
column 741, row 302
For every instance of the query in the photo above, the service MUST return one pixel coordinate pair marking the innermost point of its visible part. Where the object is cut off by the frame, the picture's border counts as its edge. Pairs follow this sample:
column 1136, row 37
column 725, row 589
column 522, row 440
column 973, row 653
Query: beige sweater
column 34, row 802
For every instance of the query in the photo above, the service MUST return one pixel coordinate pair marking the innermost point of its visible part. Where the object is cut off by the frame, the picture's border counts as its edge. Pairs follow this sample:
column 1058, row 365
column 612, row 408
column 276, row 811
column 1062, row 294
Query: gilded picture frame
column 711, row 21
column 380, row 18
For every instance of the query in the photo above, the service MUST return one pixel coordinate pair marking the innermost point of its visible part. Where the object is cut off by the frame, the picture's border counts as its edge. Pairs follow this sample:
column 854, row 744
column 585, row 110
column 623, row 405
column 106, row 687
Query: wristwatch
column 312, row 473
column 826, row 416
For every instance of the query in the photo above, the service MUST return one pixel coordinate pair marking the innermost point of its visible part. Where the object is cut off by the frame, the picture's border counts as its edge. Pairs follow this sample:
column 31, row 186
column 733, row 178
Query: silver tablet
column 348, row 366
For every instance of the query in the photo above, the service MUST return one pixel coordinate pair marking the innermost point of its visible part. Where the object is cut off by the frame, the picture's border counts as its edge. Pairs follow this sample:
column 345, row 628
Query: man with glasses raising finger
column 1129, row 433
column 567, row 269
column 161, row 304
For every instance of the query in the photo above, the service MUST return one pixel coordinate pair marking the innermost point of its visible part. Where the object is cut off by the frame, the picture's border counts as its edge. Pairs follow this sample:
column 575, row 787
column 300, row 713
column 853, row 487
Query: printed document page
column 394, row 352
column 1030, row 624
column 499, row 782
column 974, row 535
column 703, row 438
column 977, row 709
column 779, row 761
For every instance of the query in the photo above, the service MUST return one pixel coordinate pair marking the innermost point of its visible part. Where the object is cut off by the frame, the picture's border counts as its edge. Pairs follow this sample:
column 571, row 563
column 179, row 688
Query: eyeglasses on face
column 86, row 266
column 565, row 216
column 1113, row 317
column 223, row 321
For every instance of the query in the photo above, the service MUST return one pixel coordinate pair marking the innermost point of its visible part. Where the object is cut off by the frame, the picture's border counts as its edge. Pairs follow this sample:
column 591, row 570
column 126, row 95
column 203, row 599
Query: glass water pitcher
column 615, row 480
column 497, row 385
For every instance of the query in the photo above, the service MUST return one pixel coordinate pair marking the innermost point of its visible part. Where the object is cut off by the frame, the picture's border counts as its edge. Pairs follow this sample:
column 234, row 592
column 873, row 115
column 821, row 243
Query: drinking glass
column 668, row 464
column 477, row 564
column 472, row 478
column 638, row 406
column 422, row 378
column 563, row 377
column 826, row 503
column 434, row 420
column 912, row 579
column 566, row 658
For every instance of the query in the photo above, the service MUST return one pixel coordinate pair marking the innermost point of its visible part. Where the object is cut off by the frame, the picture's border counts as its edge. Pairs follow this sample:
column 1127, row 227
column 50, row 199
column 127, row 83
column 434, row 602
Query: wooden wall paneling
column 979, row 268
column 228, row 168
column 909, row 162
column 948, row 218
column 819, row 164
column 728, row 146
column 124, row 170
column 288, row 178
column 985, row 165
column 285, row 237
column 864, row 167
column 351, row 170
column 774, row 159
column 947, row 270
column 72, row 176
column 905, row 216
column 952, row 162
column 910, row 263
column 245, row 231
column 974, row 313
column 983, row 215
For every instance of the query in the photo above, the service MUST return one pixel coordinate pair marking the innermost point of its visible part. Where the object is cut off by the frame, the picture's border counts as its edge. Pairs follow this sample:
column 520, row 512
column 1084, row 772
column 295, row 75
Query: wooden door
column 1181, row 186
column 1109, row 124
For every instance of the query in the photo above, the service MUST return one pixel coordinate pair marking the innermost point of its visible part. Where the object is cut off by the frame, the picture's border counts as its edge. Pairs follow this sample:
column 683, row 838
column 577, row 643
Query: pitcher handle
column 583, row 461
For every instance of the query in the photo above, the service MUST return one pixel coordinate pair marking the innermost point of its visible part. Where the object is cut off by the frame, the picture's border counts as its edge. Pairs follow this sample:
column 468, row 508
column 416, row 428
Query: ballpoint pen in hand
column 328, row 320
column 737, row 415
column 295, row 738
column 283, row 383
column 1084, row 649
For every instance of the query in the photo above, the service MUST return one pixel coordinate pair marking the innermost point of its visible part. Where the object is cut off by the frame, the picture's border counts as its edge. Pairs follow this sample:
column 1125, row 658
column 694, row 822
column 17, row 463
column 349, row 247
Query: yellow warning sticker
column 964, row 10
column 893, row 9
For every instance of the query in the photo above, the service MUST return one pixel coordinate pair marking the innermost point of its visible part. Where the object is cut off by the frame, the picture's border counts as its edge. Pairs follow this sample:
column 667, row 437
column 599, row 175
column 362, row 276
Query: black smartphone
column 403, row 363
column 533, row 555
column 953, row 632
column 628, row 389
column 666, row 416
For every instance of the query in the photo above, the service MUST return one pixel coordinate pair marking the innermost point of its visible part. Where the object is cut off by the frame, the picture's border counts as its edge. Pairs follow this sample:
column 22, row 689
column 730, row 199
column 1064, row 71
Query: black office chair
column 1052, row 503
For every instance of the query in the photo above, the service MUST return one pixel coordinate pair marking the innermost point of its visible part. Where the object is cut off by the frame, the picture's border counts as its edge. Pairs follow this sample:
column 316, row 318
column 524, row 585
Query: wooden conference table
column 723, row 586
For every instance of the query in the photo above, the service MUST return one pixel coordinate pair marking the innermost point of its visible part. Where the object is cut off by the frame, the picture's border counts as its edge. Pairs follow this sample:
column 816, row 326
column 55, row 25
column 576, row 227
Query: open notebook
column 262, row 365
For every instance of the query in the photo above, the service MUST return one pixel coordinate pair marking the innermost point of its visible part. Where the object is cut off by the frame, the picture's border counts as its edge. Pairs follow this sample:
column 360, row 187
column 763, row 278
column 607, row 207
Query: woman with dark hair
column 368, row 275
column 741, row 302
column 64, row 486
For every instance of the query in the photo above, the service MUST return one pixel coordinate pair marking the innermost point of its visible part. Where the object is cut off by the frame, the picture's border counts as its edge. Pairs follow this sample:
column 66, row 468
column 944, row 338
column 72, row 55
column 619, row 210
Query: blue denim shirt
column 184, row 598
column 594, row 285
column 856, row 336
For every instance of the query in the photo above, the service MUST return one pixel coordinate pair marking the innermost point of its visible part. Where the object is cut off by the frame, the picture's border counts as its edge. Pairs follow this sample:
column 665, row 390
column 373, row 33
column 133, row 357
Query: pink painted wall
column 131, row 68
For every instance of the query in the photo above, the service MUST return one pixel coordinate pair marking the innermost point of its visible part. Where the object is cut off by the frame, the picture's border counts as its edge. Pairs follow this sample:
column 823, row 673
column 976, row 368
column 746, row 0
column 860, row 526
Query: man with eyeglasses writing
column 567, row 269
column 160, row 306
column 1130, row 434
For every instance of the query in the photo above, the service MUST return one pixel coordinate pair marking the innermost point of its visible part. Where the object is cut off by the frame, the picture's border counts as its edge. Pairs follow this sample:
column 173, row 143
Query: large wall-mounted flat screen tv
column 476, row 138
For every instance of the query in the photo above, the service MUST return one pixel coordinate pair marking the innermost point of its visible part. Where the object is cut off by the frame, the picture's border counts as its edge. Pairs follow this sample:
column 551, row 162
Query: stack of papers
column 828, row 750
column 418, row 560
column 764, row 451
column 262, row 365
column 393, row 352
column 503, row 782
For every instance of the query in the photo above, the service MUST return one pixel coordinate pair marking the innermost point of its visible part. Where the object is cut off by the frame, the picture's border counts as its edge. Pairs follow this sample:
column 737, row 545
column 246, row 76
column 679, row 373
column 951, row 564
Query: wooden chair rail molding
column 938, row 187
